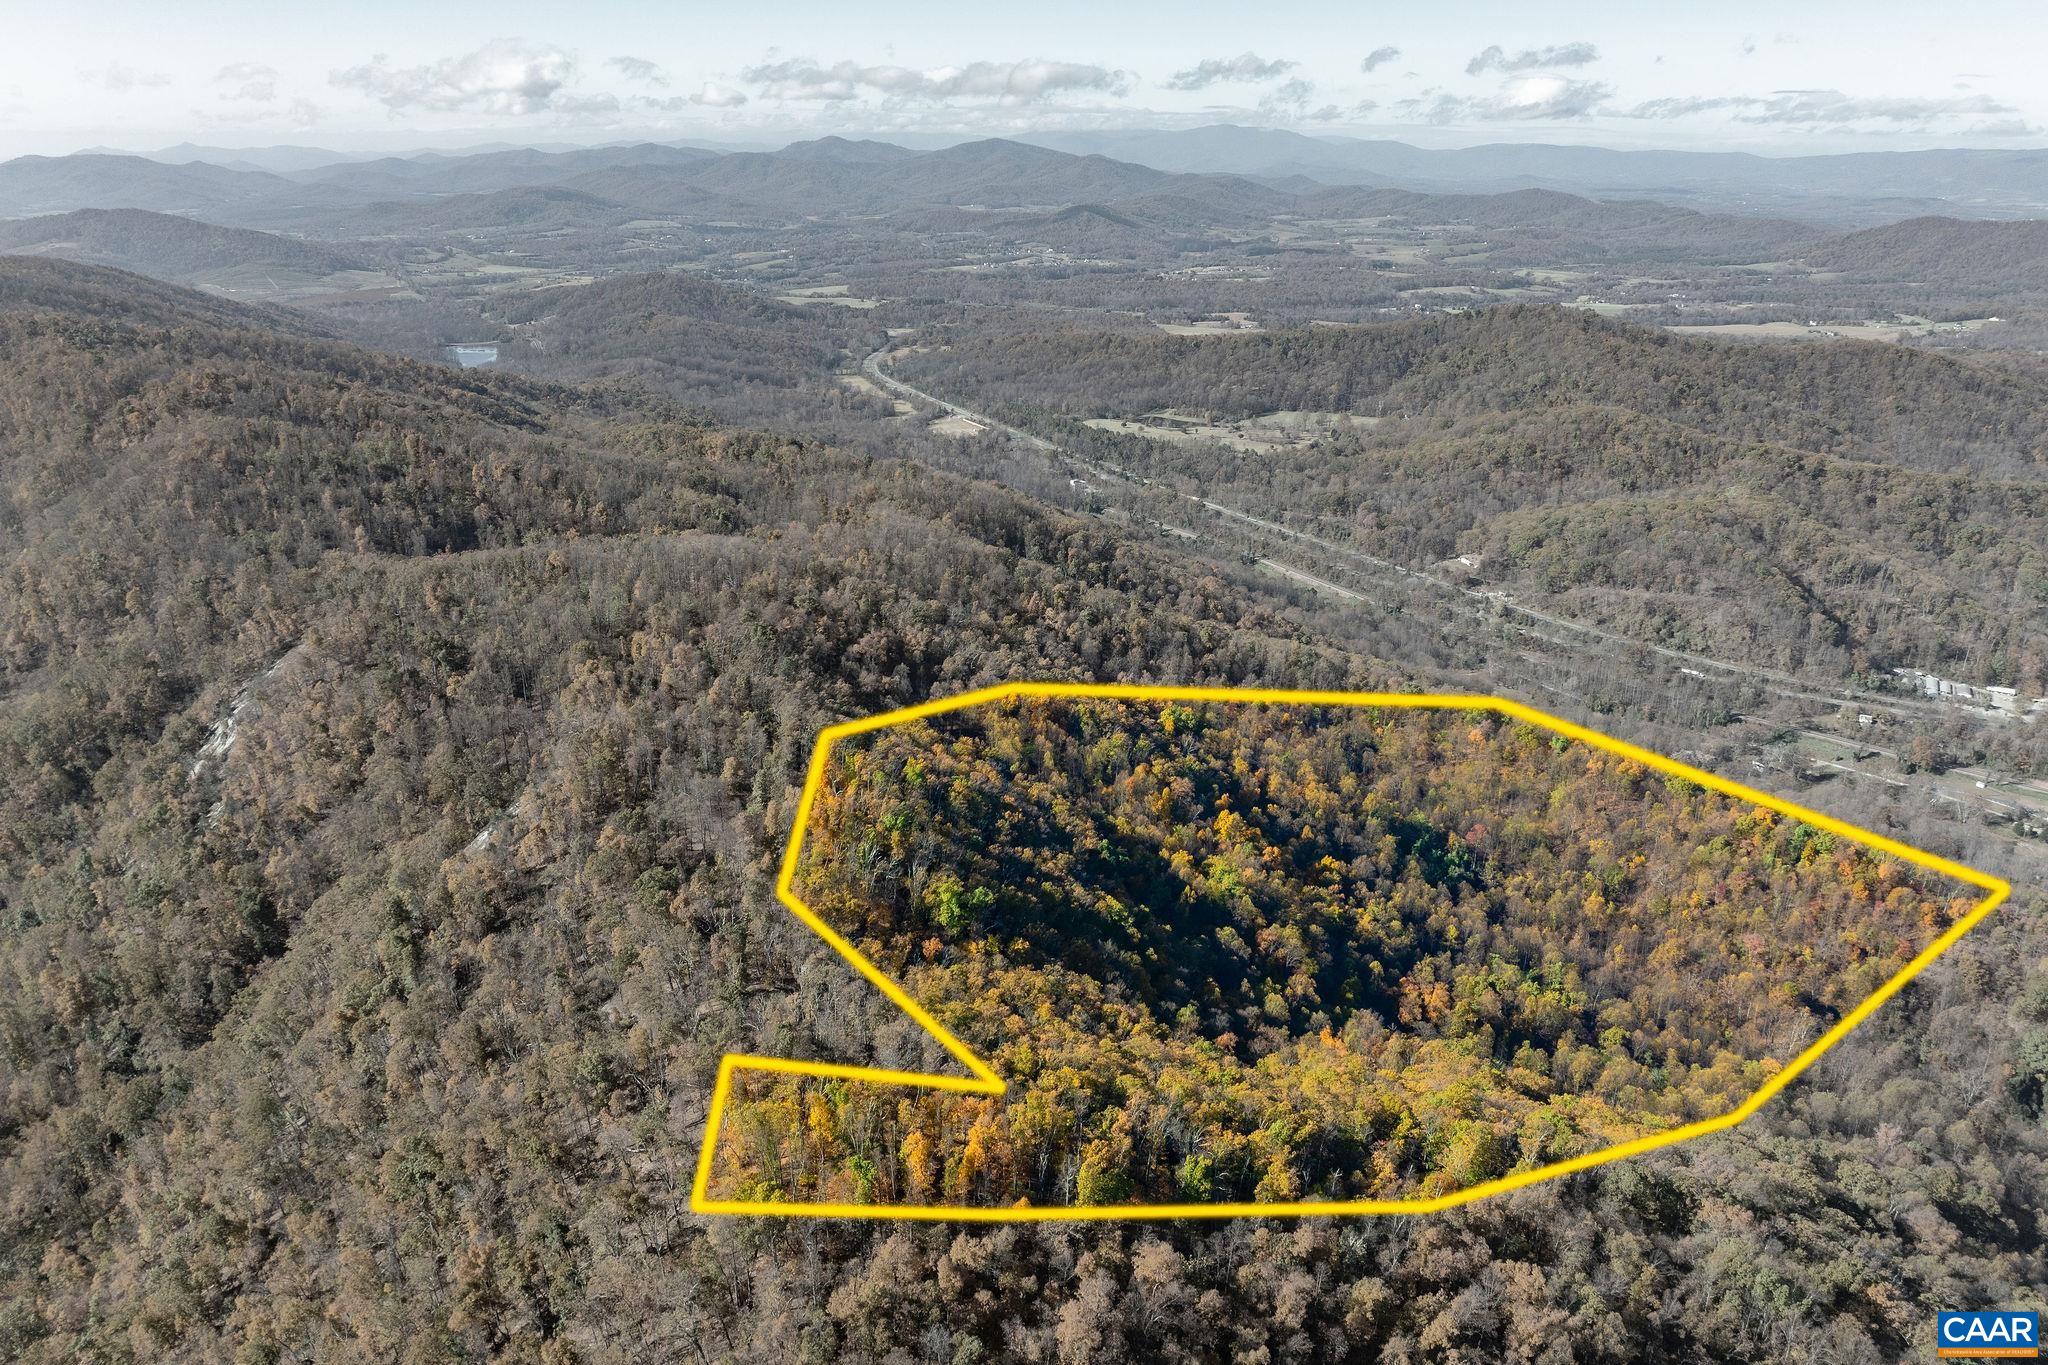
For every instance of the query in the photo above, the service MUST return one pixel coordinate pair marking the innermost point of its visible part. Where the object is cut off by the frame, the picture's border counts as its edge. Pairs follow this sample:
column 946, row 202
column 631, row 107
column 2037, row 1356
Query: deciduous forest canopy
column 393, row 765
column 1245, row 953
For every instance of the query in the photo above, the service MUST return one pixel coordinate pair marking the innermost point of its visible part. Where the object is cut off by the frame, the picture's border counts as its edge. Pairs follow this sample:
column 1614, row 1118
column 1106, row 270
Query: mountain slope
column 1836, row 508
column 997, row 171
column 163, row 245
column 684, row 336
column 1085, row 229
column 43, row 185
column 816, row 178
column 393, row 765
column 1548, row 226
column 61, row 289
column 333, row 683
column 490, row 172
column 509, row 213
column 1975, row 180
column 281, row 159
column 2009, row 258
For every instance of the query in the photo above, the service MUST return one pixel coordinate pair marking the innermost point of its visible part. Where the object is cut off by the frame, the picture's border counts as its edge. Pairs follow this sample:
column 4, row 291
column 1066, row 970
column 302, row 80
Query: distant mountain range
column 433, row 174
column 106, row 206
column 1959, row 180
column 58, row 184
column 834, row 174
column 297, row 186
column 282, row 159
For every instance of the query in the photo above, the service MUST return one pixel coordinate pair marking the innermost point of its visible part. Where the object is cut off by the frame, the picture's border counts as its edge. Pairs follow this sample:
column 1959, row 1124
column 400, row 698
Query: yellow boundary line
column 983, row 1080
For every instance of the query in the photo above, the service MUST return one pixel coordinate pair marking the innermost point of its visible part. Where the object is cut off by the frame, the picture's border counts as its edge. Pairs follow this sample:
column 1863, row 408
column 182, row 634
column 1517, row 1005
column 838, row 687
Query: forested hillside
column 434, row 174
column 1248, row 953
column 163, row 245
column 2009, row 258
column 497, row 215
column 393, row 764
column 1844, row 508
column 1910, row 407
column 59, row 184
column 1546, row 226
column 681, row 335
column 68, row 295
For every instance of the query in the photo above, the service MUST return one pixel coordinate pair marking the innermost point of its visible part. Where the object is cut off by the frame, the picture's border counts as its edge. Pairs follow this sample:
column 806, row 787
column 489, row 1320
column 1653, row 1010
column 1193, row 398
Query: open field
column 827, row 293
column 1253, row 435
column 1220, row 324
column 860, row 383
column 1901, row 329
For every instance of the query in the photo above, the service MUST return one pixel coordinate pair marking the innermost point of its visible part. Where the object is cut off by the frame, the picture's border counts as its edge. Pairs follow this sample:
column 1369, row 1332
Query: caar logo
column 1987, row 1334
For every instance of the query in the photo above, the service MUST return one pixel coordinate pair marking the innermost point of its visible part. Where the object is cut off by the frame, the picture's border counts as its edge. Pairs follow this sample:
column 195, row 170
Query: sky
column 379, row 75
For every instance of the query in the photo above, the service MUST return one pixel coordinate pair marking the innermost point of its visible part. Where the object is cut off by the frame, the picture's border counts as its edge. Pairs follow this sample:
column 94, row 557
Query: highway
column 1491, row 602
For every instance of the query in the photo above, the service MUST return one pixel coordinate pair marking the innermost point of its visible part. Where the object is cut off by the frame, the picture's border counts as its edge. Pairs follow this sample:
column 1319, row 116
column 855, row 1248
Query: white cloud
column 1548, row 97
column 2004, row 127
column 1249, row 66
column 1337, row 113
column 716, row 96
column 504, row 77
column 586, row 106
column 1289, row 101
column 1532, row 59
column 1835, row 111
column 711, row 95
column 1832, row 108
column 121, row 79
column 1541, row 97
column 639, row 69
column 1006, row 82
column 1378, row 58
column 248, row 81
column 1685, row 106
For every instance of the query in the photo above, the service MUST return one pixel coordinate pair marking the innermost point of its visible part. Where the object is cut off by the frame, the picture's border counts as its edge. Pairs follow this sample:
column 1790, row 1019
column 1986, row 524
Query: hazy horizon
column 467, row 142
column 380, row 78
